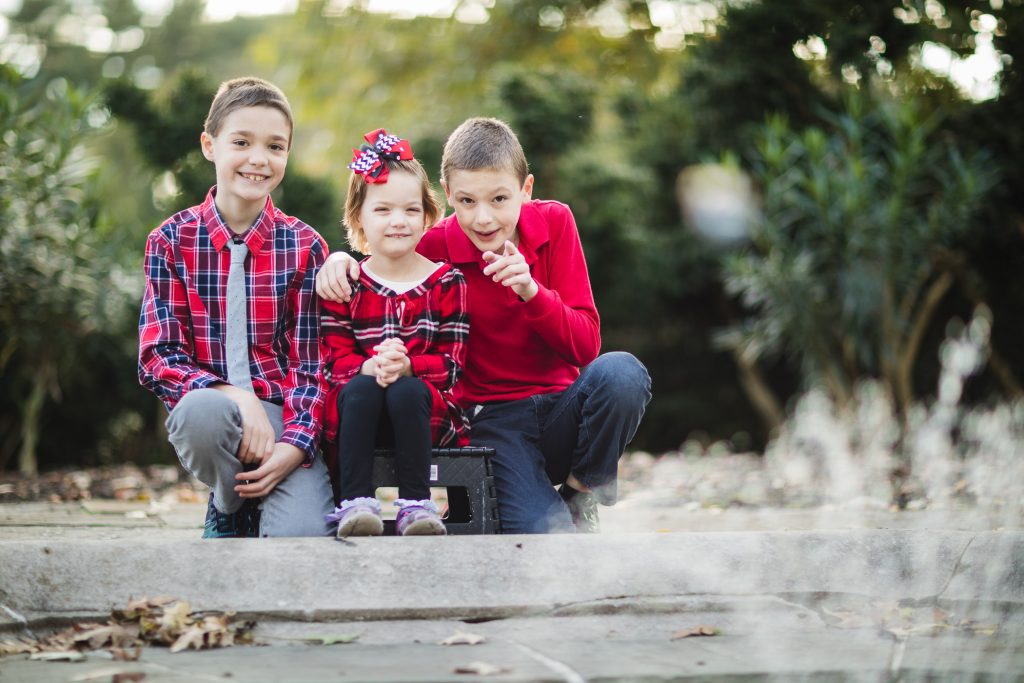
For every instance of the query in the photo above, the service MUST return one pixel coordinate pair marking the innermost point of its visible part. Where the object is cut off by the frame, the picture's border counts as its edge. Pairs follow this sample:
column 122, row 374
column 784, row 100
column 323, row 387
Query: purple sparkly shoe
column 418, row 518
column 357, row 517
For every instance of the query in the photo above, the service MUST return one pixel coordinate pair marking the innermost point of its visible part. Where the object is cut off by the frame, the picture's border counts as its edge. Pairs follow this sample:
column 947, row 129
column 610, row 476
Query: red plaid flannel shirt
column 430, row 319
column 182, row 325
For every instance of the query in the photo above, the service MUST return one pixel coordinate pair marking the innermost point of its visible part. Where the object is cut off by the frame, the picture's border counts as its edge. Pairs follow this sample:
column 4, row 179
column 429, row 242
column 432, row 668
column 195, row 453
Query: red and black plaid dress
column 431, row 320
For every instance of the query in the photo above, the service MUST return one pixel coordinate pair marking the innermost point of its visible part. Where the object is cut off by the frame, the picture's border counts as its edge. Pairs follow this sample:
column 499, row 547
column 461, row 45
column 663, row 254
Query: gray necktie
column 237, row 337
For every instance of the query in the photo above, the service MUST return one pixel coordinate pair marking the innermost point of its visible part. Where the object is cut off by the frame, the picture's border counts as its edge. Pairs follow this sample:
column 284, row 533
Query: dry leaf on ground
column 108, row 635
column 695, row 631
column 17, row 647
column 107, row 675
column 174, row 620
column 66, row 656
column 481, row 669
column 123, row 655
column 194, row 636
column 128, row 677
column 462, row 638
column 971, row 626
column 343, row 639
column 849, row 619
column 141, row 607
column 161, row 621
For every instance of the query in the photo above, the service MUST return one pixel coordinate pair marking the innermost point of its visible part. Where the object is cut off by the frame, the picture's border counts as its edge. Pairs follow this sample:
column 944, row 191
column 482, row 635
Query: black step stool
column 469, row 478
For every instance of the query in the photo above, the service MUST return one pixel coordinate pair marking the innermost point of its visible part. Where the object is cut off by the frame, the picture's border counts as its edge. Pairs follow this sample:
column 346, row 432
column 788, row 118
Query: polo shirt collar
column 220, row 234
column 533, row 234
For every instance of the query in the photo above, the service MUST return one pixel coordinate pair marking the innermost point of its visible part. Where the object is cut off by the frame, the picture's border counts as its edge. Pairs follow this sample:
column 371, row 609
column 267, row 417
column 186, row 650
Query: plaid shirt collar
column 533, row 234
column 220, row 234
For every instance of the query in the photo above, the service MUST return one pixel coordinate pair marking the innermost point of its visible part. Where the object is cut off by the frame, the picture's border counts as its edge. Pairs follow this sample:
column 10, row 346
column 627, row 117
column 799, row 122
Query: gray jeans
column 205, row 429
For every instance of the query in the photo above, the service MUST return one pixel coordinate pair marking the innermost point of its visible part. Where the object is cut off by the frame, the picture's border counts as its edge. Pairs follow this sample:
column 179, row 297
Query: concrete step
column 497, row 576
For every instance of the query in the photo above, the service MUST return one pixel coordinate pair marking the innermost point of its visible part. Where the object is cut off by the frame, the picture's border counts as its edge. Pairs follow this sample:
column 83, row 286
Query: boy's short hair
column 357, row 197
column 484, row 143
column 247, row 91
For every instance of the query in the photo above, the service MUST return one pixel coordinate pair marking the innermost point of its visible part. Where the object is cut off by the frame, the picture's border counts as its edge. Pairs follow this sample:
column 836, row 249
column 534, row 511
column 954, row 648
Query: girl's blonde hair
column 357, row 197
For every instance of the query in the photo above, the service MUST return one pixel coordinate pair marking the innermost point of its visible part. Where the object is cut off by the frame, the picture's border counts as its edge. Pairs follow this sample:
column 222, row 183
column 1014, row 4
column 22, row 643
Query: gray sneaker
column 583, row 508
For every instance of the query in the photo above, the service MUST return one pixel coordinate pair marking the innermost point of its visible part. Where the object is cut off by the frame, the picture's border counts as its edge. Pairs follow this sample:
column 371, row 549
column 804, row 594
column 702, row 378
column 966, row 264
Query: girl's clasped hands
column 391, row 361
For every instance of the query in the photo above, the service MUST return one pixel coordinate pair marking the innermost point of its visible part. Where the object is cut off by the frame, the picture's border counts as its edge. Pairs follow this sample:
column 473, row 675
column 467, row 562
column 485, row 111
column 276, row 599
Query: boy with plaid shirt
column 228, row 335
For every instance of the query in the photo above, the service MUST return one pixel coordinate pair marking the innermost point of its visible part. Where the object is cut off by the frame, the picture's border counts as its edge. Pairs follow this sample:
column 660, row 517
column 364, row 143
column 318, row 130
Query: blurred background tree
column 839, row 142
column 57, row 293
column 854, row 251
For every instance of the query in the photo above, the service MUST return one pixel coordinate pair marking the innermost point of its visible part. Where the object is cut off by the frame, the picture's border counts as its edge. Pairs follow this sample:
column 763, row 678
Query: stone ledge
column 481, row 576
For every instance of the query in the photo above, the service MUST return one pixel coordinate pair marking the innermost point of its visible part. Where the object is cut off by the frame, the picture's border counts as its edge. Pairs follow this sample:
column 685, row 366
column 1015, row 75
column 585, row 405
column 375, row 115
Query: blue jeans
column 540, row 440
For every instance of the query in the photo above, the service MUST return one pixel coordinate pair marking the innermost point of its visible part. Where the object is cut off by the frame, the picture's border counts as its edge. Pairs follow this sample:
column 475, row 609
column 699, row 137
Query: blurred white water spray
column 957, row 456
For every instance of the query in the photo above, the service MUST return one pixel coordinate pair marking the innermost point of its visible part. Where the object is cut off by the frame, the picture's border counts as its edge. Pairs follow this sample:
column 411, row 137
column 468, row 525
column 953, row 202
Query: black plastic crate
column 467, row 475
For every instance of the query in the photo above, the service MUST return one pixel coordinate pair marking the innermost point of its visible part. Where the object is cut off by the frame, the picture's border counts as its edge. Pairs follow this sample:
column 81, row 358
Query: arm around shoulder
column 334, row 281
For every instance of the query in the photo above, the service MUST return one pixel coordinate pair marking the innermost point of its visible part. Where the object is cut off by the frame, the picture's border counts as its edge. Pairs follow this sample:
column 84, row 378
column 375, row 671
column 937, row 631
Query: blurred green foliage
column 853, row 252
column 871, row 181
column 58, row 291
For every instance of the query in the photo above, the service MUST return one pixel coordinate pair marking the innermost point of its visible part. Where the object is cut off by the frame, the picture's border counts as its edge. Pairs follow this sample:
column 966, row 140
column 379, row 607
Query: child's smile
column 487, row 203
column 250, row 153
column 392, row 216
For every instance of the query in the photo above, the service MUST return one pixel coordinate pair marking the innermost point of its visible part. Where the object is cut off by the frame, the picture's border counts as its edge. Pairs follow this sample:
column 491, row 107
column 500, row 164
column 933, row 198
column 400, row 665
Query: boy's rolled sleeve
column 303, row 397
column 562, row 312
column 167, row 364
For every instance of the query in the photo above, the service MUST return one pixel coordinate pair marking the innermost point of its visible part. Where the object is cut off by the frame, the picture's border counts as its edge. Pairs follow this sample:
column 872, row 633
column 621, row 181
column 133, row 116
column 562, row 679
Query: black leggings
column 372, row 416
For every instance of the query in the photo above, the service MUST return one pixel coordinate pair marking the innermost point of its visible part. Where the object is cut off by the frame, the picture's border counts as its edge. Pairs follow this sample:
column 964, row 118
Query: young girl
column 392, row 354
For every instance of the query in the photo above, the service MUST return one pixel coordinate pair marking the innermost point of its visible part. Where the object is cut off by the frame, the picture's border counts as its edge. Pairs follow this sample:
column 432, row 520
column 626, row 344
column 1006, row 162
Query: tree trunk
column 908, row 357
column 27, row 463
column 760, row 394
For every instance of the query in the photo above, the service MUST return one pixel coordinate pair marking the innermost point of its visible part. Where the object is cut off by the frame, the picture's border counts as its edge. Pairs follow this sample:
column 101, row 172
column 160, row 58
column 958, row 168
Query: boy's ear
column 528, row 186
column 447, row 192
column 206, row 143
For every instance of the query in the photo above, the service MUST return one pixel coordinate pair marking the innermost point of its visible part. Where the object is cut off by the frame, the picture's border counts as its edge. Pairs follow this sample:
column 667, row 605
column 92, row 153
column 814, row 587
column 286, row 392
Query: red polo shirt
column 517, row 349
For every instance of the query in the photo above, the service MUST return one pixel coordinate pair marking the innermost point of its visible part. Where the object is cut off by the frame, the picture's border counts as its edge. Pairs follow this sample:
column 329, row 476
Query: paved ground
column 825, row 594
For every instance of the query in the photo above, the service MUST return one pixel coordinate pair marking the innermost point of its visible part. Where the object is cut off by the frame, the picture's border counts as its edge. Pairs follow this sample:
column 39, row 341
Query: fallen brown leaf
column 66, row 656
column 160, row 621
column 128, row 677
column 462, row 638
column 112, row 635
column 142, row 607
column 123, row 655
column 105, row 674
column 695, row 631
column 17, row 647
column 193, row 636
column 175, row 617
column 848, row 619
column 345, row 638
column 971, row 626
column 481, row 669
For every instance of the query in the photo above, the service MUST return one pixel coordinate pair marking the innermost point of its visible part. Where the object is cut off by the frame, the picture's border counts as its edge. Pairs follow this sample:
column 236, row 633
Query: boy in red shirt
column 229, row 331
column 534, row 386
